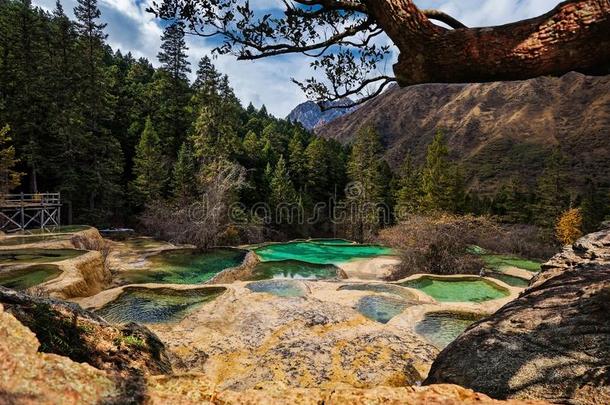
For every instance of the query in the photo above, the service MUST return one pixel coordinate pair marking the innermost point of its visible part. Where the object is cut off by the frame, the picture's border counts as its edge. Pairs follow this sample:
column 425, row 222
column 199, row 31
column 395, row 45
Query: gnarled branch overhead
column 343, row 38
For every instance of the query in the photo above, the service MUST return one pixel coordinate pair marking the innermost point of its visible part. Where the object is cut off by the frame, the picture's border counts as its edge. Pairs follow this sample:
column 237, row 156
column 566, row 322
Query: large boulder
column 66, row 329
column 553, row 342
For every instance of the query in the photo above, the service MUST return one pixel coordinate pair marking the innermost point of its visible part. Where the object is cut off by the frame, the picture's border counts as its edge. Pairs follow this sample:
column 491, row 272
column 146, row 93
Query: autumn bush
column 568, row 226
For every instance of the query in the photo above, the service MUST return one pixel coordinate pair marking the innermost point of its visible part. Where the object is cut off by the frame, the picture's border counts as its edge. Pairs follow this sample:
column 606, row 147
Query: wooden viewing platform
column 25, row 211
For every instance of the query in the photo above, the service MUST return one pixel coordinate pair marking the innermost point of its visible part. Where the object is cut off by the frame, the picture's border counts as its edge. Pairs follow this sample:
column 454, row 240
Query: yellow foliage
column 568, row 226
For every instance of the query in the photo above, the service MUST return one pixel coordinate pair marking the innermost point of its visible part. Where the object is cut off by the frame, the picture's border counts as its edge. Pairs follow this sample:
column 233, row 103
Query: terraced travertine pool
column 510, row 280
column 279, row 288
column 293, row 269
column 475, row 289
column 23, row 240
column 497, row 262
column 156, row 305
column 37, row 255
column 319, row 253
column 28, row 277
column 380, row 288
column 184, row 266
column 381, row 308
column 442, row 328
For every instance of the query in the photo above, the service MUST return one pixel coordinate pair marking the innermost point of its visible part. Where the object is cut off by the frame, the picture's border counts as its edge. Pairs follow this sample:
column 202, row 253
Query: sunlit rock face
column 553, row 342
column 315, row 338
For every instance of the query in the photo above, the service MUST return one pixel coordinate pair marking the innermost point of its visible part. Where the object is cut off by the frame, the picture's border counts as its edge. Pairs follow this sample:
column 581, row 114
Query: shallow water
column 510, row 280
column 381, row 288
column 293, row 269
column 37, row 255
column 184, row 266
column 280, row 288
column 319, row 253
column 380, row 308
column 496, row 262
column 142, row 243
column 329, row 241
column 23, row 279
column 156, row 305
column 22, row 240
column 59, row 229
column 442, row 328
column 448, row 290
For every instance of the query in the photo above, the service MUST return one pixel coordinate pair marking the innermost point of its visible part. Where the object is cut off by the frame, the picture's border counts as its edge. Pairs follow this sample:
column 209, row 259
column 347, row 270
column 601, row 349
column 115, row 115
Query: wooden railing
column 30, row 199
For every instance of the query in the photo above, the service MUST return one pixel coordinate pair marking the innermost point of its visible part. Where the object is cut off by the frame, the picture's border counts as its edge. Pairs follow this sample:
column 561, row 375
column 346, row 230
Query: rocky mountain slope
column 553, row 342
column 497, row 130
column 310, row 115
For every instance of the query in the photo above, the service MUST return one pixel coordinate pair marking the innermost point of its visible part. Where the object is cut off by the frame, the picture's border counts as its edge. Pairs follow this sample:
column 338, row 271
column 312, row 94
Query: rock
column 66, row 329
column 553, row 342
column 251, row 338
column 81, row 276
column 196, row 389
column 31, row 377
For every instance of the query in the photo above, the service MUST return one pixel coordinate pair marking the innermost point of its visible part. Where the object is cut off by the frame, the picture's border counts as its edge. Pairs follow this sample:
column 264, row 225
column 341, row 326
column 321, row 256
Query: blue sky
column 267, row 81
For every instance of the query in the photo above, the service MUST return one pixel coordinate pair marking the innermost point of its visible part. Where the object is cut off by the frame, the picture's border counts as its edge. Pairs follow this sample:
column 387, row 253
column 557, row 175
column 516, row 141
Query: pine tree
column 148, row 168
column 173, row 52
column 436, row 177
column 594, row 207
column 208, row 78
column 297, row 161
column 409, row 195
column 9, row 177
column 101, row 164
column 553, row 197
column 282, row 189
column 283, row 195
column 369, row 186
column 184, row 179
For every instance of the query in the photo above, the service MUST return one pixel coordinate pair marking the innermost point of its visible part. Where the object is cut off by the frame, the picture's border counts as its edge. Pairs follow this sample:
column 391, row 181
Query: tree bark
column 575, row 35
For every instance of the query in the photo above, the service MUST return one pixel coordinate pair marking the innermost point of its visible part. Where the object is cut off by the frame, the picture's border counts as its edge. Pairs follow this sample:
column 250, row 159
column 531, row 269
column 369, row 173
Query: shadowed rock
column 553, row 342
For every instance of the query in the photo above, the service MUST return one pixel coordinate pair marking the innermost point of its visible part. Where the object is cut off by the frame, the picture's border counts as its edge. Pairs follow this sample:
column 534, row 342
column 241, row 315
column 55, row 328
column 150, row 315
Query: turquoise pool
column 37, row 255
column 293, row 269
column 319, row 253
column 184, row 266
column 280, row 288
column 473, row 289
column 381, row 308
column 442, row 328
column 510, row 280
column 156, row 305
column 31, row 276
column 380, row 288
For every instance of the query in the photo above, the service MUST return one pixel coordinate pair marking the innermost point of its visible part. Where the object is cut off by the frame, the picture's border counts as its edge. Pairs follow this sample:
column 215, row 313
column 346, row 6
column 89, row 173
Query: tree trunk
column 575, row 35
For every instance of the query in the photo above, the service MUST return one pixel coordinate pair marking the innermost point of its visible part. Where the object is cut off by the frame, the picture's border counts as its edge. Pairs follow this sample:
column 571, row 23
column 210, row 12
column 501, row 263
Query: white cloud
column 267, row 81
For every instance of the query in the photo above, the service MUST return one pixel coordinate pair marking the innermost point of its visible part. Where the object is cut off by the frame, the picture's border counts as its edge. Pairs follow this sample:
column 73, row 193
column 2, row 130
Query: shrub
column 440, row 244
column 568, row 226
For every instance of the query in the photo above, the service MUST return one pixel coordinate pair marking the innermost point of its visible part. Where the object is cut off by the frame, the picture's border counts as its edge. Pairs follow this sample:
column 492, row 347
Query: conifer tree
column 184, row 172
column 297, row 161
column 436, row 177
column 595, row 205
column 409, row 195
column 9, row 177
column 173, row 56
column 149, row 167
column 283, row 195
column 369, row 186
column 553, row 197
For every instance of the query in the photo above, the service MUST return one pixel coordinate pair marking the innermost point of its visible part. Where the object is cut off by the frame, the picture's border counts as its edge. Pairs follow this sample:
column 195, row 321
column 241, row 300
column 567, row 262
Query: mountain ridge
column 497, row 130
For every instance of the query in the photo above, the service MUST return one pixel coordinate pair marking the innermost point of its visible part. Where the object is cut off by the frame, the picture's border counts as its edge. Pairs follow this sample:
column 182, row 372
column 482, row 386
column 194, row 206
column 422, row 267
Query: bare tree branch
column 443, row 17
